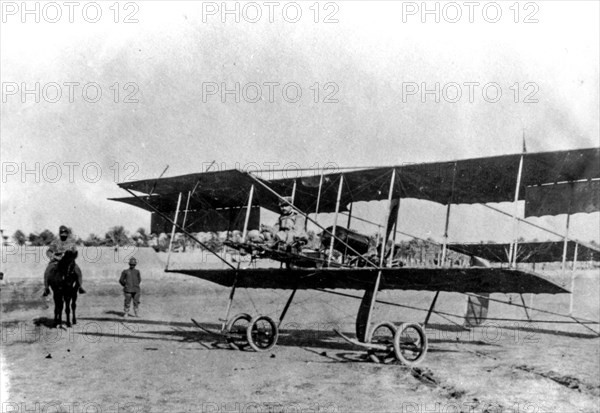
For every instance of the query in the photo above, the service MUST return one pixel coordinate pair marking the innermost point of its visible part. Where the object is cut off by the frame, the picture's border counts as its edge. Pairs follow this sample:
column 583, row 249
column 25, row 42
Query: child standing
column 130, row 280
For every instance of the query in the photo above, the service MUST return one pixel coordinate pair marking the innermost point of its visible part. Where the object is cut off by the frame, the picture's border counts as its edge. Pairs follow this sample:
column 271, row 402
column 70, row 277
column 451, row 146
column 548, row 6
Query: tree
column 214, row 244
column 141, row 237
column 93, row 240
column 19, row 237
column 42, row 239
column 117, row 236
column 47, row 237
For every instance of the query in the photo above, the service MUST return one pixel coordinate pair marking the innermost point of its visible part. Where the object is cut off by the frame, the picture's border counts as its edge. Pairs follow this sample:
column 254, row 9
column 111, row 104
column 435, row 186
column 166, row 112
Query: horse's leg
column 67, row 300
column 74, row 305
column 58, row 307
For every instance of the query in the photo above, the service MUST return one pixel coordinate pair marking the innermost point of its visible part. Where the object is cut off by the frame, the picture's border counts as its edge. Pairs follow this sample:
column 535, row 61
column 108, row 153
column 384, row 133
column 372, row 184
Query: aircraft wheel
column 382, row 333
column 262, row 333
column 410, row 344
column 236, row 331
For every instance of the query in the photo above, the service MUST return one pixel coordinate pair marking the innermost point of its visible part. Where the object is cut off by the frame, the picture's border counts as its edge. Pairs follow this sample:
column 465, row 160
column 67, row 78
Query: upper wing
column 474, row 280
column 552, row 183
column 210, row 190
column 468, row 181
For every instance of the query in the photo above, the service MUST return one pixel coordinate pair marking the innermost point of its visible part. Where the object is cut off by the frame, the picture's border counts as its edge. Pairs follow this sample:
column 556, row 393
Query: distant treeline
column 412, row 252
column 415, row 251
column 116, row 236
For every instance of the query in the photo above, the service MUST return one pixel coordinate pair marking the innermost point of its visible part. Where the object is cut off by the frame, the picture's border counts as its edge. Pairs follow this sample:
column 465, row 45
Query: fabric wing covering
column 481, row 180
column 209, row 191
column 470, row 181
column 465, row 280
column 555, row 199
column 529, row 252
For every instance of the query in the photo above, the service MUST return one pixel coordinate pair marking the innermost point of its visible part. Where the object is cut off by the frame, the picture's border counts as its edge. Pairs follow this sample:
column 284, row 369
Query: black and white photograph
column 299, row 206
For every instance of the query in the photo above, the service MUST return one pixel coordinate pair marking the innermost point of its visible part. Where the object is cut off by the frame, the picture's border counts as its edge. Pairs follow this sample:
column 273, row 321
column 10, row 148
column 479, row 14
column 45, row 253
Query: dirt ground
column 160, row 362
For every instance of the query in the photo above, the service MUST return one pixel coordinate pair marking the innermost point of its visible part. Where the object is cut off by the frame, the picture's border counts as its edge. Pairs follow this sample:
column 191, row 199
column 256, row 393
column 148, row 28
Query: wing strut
column 437, row 293
column 564, row 257
column 573, row 279
column 442, row 262
column 525, row 308
column 318, row 199
column 394, row 230
column 513, row 247
column 294, row 190
column 229, row 303
column 249, row 207
column 365, row 311
column 445, row 242
column 287, row 305
column 337, row 210
column 187, row 207
column 180, row 228
column 173, row 231
column 348, row 226
column 268, row 188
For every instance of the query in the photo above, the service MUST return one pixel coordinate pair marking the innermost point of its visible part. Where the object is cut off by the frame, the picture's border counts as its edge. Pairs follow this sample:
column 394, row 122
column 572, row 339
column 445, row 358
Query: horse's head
column 67, row 260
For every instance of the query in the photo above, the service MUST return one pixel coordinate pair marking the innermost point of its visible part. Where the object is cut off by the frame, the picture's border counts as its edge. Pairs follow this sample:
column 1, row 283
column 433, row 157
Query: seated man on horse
column 56, row 251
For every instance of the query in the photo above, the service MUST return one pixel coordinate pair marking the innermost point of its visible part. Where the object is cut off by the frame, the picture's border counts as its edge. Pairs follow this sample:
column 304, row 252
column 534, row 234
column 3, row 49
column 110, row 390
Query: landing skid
column 260, row 333
column 209, row 331
column 369, row 346
column 407, row 343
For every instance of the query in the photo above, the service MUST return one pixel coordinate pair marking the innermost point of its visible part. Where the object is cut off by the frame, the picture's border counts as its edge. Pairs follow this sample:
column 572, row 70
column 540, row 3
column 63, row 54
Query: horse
column 63, row 282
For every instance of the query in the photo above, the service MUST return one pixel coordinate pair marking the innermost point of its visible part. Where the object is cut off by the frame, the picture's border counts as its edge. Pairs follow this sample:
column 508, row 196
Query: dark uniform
column 130, row 280
column 56, row 251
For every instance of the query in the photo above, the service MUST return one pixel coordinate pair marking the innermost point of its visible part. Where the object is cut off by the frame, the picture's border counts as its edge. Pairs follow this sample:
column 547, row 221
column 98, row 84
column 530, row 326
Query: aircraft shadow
column 188, row 332
column 553, row 332
column 524, row 328
column 314, row 334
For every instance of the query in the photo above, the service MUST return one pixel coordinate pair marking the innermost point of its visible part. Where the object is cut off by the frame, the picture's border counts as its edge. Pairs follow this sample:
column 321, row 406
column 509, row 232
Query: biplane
column 550, row 183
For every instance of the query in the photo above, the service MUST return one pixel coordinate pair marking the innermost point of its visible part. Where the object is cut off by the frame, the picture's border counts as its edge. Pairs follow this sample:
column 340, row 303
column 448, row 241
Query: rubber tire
column 230, row 325
column 423, row 348
column 274, row 327
column 372, row 353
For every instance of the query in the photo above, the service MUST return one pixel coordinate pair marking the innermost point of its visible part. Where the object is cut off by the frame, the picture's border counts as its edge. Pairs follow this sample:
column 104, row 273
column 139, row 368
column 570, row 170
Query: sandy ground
column 160, row 362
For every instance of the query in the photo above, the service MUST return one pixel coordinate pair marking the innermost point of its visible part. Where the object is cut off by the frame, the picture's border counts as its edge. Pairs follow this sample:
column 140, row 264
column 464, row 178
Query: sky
column 152, row 84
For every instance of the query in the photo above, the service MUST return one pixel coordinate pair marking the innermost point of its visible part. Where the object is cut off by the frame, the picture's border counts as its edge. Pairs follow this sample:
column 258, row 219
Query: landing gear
column 382, row 334
column 243, row 330
column 410, row 344
column 262, row 333
column 406, row 344
column 236, row 331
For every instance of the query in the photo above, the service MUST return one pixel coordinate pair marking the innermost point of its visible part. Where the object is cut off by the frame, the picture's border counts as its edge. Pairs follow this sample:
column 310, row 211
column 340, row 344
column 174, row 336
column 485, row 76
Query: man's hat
column 132, row 260
column 63, row 229
column 286, row 200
